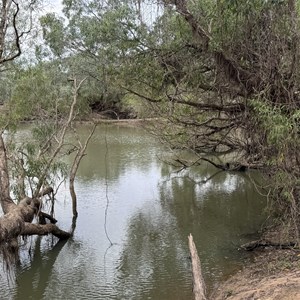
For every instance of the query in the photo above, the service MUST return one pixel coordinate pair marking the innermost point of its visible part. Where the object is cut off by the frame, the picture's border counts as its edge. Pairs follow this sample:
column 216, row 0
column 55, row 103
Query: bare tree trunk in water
column 198, row 282
column 79, row 155
column 17, row 218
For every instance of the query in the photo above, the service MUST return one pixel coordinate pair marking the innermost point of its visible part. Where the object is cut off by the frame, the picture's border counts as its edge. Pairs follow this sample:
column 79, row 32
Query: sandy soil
column 273, row 275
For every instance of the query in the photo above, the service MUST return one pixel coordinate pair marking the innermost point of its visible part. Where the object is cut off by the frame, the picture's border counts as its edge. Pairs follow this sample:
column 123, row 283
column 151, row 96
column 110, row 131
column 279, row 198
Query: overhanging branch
column 38, row 229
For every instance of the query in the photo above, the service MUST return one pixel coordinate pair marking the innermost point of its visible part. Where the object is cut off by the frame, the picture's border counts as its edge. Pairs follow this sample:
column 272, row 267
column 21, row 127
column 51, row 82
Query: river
column 151, row 211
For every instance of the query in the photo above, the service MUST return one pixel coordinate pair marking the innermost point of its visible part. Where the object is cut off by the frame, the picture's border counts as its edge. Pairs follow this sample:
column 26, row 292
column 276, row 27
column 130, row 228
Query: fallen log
column 198, row 282
column 265, row 243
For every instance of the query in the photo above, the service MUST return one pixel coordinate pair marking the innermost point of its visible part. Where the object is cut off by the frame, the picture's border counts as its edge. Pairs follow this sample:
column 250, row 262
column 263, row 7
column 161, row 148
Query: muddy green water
column 148, row 220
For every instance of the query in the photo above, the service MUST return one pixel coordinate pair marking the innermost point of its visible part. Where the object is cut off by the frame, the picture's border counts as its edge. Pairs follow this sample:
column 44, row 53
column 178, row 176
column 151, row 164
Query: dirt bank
column 100, row 119
column 274, row 274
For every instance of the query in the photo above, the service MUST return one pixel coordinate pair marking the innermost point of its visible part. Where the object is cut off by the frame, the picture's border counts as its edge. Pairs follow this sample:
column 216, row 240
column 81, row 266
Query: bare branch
column 38, row 229
column 142, row 96
column 62, row 136
column 79, row 155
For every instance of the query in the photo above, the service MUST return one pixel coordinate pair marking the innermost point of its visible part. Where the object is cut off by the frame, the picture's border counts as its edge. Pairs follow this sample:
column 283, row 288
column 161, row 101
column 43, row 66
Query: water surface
column 151, row 211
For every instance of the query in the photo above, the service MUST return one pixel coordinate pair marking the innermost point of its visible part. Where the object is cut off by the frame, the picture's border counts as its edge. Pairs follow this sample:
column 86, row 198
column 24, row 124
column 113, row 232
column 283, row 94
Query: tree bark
column 6, row 202
column 17, row 218
column 79, row 155
column 38, row 229
column 198, row 282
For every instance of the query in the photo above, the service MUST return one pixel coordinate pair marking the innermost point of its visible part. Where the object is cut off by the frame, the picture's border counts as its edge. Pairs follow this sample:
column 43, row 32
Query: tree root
column 265, row 243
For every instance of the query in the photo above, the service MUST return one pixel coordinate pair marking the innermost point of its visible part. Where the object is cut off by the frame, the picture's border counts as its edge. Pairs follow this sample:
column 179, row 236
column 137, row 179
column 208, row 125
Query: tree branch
column 38, row 229
column 142, row 96
column 62, row 136
column 45, row 216
column 5, row 199
column 199, row 31
column 79, row 155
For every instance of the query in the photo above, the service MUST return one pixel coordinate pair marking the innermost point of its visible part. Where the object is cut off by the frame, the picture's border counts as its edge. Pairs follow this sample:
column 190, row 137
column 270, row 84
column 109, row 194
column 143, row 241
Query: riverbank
column 96, row 118
column 273, row 274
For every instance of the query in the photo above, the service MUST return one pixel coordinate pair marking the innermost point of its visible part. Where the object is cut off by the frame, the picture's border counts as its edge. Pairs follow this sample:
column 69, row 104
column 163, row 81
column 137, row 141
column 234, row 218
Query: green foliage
column 94, row 40
column 53, row 33
column 280, row 126
column 29, row 163
column 40, row 92
column 222, row 75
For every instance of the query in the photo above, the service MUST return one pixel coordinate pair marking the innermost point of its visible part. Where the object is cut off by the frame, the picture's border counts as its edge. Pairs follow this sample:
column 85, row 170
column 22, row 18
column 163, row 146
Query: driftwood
column 265, row 243
column 198, row 282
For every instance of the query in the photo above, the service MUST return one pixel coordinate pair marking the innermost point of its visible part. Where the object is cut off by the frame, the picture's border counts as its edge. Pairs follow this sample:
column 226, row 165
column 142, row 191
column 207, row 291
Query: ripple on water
column 150, row 219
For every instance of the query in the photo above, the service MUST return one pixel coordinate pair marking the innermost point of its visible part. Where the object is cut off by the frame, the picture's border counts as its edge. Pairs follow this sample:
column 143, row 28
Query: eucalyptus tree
column 93, row 41
column 31, row 166
column 223, row 77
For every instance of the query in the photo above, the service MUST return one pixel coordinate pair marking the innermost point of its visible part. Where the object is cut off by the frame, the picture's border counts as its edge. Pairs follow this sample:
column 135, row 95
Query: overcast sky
column 54, row 6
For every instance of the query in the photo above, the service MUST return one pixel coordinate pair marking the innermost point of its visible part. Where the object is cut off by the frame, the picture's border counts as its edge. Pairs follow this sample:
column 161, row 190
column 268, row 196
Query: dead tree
column 198, row 282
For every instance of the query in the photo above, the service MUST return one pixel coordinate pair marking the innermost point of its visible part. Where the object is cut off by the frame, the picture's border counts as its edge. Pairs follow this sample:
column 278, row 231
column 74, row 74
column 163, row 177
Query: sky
column 150, row 11
column 53, row 6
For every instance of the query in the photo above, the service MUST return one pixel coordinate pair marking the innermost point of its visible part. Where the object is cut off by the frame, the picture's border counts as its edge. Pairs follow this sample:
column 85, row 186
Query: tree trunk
column 17, row 218
column 17, row 221
column 79, row 155
column 198, row 282
column 5, row 199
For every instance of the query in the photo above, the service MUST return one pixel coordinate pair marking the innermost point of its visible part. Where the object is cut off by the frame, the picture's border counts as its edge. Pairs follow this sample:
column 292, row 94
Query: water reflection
column 218, row 214
column 154, row 262
column 126, row 149
column 150, row 216
column 34, row 278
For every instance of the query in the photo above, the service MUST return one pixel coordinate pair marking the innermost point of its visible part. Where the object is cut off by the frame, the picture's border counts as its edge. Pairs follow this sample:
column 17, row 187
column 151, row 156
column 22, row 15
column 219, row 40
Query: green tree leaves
column 53, row 33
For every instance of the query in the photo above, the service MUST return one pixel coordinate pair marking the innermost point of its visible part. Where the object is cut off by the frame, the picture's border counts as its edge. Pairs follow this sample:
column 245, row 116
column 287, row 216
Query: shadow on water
column 33, row 280
column 220, row 213
column 31, row 277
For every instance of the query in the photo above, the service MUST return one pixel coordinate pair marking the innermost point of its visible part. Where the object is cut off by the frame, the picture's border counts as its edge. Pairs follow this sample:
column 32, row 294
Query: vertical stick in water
column 106, row 187
column 198, row 282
